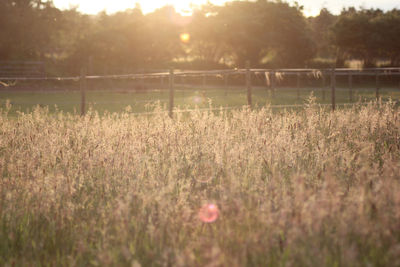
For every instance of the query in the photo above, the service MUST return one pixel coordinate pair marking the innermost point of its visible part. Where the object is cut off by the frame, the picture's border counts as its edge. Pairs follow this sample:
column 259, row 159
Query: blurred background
column 43, row 39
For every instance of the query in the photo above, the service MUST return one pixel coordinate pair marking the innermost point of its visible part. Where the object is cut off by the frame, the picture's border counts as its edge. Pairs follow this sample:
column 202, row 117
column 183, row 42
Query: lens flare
column 209, row 213
column 185, row 37
column 197, row 100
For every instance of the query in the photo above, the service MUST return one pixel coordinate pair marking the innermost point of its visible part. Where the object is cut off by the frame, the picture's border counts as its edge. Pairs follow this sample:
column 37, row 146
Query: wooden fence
column 271, row 78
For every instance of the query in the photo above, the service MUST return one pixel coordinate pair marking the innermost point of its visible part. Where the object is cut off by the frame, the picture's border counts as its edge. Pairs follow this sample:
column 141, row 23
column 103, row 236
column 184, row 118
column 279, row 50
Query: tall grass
column 306, row 188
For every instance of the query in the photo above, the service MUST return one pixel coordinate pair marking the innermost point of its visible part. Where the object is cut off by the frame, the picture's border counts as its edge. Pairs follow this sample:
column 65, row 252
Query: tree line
column 268, row 34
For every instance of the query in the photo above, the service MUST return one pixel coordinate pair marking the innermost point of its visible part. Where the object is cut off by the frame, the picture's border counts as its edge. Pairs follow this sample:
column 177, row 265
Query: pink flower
column 209, row 213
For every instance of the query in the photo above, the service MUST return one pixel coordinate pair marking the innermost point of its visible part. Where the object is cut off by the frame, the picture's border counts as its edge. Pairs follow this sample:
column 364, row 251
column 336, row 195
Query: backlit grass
column 299, row 188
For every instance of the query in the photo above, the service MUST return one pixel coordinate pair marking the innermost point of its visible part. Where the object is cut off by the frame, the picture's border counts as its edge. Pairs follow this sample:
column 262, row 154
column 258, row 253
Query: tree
column 252, row 31
column 357, row 36
column 388, row 35
column 131, row 41
column 28, row 29
column 161, row 32
column 207, row 42
column 321, row 26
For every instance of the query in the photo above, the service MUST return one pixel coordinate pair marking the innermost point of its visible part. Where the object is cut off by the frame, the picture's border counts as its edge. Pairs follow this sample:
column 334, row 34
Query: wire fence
column 270, row 80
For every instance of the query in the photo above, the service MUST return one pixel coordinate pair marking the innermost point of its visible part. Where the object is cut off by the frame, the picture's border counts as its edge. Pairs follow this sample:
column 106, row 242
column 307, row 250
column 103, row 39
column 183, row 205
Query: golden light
column 93, row 7
column 185, row 37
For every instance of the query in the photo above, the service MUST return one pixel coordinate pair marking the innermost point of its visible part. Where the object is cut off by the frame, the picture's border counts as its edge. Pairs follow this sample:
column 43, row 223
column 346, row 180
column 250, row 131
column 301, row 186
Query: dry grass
column 307, row 188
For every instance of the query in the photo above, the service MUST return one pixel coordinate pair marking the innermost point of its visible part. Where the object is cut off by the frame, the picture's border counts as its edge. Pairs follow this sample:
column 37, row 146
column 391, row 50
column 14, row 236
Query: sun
column 185, row 37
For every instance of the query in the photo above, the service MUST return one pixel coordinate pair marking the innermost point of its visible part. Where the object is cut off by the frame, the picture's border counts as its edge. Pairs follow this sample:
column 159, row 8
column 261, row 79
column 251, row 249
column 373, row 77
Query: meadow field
column 116, row 100
column 307, row 187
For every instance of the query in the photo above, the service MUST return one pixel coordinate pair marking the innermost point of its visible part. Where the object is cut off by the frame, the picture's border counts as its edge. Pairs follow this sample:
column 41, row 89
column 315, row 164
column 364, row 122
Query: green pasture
column 119, row 100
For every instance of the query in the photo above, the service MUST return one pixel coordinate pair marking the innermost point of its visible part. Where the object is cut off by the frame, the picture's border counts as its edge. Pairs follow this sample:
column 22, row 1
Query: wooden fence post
column 171, row 92
column 182, row 80
column 350, row 87
column 83, row 91
column 323, row 86
column 142, row 85
column 89, row 71
column 248, row 84
column 226, row 84
column 298, row 86
column 273, row 83
column 377, row 84
column 333, row 88
column 105, row 73
column 90, row 65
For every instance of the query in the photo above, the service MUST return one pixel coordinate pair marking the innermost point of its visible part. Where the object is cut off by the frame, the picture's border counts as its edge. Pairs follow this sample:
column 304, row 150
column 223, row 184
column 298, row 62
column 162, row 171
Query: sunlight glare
column 94, row 7
column 185, row 37
column 197, row 100
column 311, row 7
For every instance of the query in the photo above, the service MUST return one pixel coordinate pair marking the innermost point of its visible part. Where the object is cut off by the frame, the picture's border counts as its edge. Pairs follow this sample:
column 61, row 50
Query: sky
column 311, row 7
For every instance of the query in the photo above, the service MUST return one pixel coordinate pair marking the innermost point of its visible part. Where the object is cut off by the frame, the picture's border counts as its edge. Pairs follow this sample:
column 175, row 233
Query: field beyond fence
column 290, row 188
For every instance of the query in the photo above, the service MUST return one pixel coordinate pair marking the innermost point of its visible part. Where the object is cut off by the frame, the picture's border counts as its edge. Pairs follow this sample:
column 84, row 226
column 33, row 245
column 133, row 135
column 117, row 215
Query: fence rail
column 271, row 78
